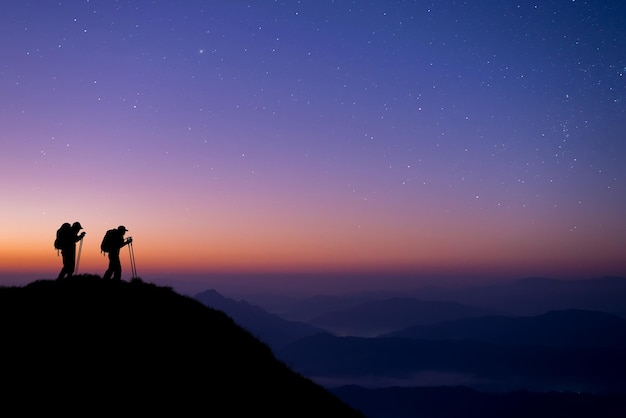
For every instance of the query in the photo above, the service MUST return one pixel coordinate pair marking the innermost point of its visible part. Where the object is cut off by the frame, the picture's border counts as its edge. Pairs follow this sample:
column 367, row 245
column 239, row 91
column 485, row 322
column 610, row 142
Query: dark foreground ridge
column 88, row 345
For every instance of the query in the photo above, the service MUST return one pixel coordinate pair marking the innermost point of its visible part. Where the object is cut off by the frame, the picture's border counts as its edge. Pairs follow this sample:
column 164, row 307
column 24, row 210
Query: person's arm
column 79, row 236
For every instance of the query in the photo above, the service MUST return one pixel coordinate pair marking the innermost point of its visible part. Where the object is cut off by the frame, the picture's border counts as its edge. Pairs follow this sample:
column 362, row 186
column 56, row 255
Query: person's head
column 122, row 229
column 76, row 226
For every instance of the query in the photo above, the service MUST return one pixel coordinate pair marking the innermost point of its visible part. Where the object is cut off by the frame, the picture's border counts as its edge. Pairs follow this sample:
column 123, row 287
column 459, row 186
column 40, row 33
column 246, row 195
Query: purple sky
column 470, row 139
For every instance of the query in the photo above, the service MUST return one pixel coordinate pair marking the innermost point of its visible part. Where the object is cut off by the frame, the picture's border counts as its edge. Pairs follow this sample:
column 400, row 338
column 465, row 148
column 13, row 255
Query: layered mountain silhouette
column 378, row 362
column 304, row 309
column 91, row 346
column 535, row 347
column 523, row 297
column 569, row 328
column 271, row 329
column 377, row 317
column 538, row 295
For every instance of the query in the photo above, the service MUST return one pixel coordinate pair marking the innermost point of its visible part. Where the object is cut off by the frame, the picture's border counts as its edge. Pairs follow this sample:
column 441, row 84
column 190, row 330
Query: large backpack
column 110, row 241
column 62, row 236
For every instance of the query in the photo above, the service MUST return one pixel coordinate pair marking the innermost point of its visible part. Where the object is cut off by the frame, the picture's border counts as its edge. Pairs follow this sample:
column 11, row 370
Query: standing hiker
column 67, row 237
column 112, row 242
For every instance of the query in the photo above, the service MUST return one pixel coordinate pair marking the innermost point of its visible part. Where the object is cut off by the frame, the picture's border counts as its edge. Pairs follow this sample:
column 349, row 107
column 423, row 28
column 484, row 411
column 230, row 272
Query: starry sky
column 420, row 140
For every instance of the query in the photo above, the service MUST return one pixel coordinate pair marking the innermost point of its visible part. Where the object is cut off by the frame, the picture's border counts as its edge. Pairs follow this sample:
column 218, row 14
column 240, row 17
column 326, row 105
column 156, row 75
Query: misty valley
column 561, row 344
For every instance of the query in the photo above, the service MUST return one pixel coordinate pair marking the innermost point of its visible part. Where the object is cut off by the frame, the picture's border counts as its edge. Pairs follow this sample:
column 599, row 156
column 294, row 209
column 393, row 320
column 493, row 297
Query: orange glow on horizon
column 271, row 243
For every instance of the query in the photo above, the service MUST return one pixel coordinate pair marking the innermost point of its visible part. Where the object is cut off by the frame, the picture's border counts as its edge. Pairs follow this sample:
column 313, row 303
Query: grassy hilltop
column 87, row 345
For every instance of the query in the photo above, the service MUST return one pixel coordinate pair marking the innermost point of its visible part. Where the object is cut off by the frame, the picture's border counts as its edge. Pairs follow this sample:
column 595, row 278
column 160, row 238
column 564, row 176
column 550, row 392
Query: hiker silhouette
column 67, row 237
column 112, row 243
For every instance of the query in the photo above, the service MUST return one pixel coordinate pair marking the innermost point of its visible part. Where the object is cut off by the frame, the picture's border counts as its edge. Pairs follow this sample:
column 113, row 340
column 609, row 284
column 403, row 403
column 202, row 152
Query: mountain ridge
column 334, row 361
column 377, row 317
column 525, row 296
column 565, row 328
column 269, row 328
column 87, row 345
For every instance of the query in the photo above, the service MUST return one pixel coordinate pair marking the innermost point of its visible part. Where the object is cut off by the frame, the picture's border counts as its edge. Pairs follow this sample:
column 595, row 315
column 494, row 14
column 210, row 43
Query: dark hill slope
column 87, row 345
column 271, row 329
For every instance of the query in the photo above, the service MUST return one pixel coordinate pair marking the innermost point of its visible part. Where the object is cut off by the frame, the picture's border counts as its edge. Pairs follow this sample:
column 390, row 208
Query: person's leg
column 109, row 272
column 71, row 264
column 117, row 268
column 65, row 270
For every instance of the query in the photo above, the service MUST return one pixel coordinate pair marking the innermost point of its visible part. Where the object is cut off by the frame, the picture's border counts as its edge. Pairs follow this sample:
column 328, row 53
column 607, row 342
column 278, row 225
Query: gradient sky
column 440, row 139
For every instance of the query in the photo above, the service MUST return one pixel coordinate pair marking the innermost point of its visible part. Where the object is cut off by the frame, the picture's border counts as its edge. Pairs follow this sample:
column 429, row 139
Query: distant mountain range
column 570, row 349
column 373, row 318
column 88, row 346
column 377, row 362
column 525, row 353
column 366, row 319
column 524, row 297
column 570, row 328
column 535, row 296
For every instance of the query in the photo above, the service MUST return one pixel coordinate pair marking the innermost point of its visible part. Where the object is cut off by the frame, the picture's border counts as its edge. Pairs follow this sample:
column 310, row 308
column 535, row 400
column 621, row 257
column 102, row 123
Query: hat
column 122, row 228
column 77, row 225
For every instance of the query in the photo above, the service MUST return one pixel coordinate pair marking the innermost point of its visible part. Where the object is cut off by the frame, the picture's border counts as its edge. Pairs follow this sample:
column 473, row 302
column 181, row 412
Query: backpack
column 62, row 236
column 110, row 241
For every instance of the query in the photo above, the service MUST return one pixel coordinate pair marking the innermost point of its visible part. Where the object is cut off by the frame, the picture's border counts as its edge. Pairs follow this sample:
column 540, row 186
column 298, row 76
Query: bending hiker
column 112, row 243
column 67, row 237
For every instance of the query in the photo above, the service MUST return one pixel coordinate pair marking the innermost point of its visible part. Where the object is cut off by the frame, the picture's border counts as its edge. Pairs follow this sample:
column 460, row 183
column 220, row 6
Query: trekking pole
column 133, row 266
column 80, row 248
column 132, row 249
